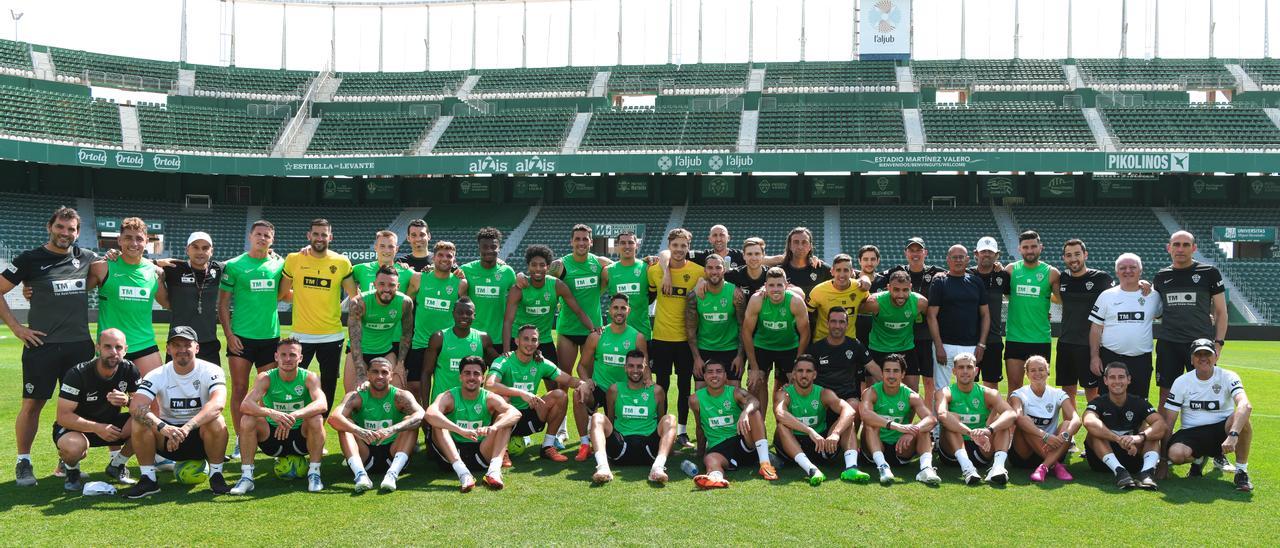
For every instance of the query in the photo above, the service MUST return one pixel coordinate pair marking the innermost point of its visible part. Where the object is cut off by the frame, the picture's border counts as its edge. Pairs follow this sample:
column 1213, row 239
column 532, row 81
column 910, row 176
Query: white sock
column 461, row 469
column 495, row 466
column 803, row 461
column 762, row 450
column 355, row 465
column 246, row 471
column 586, row 440
column 148, row 472
column 313, row 468
column 878, row 457
column 70, row 466
column 680, row 429
column 659, row 462
column 548, row 441
column 998, row 461
column 716, row 475
column 117, row 459
column 564, row 427
column 851, row 458
column 27, row 456
column 926, row 461
column 217, row 468
column 602, row 460
column 1112, row 462
column 1242, row 467
column 1198, row 461
column 397, row 463
column 962, row 457
column 1150, row 459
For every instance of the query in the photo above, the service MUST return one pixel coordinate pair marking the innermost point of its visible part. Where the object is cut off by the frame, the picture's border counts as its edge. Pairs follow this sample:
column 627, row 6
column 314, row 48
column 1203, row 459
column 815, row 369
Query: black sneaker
column 218, row 484
column 25, row 474
column 1197, row 469
column 1123, row 479
column 682, row 441
column 1221, row 463
column 1146, row 480
column 120, row 474
column 1242, row 481
column 144, row 488
column 72, row 482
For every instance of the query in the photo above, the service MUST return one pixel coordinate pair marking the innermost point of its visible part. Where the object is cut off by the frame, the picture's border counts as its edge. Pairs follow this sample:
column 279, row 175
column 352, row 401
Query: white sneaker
column 971, row 477
column 243, row 487
column 363, row 483
column 164, row 465
column 389, row 482
column 314, row 484
column 235, row 453
column 886, row 475
column 997, row 475
column 602, row 475
column 929, row 476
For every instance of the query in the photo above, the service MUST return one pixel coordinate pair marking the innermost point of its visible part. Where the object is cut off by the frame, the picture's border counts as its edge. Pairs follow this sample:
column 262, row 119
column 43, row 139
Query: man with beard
column 381, row 328
column 843, row 365
column 921, row 277
column 516, row 376
column 448, row 347
column 601, row 366
column 712, row 322
column 997, row 282
column 318, row 278
column 630, row 277
column 804, row 413
column 471, row 426
column 868, row 267
column 718, row 237
column 435, row 293
column 1078, row 290
column 89, row 413
column 635, row 427
column 378, row 428
column 669, row 348
column 886, row 410
column 892, row 314
column 1031, row 284
column 804, row 270
column 193, row 293
column 783, row 334
column 841, row 290
column 977, row 424
column 488, row 282
column 730, row 430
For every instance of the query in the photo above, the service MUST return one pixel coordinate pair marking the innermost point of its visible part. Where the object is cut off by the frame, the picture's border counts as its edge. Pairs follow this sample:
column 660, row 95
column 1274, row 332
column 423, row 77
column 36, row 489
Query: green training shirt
column 287, row 396
column 253, row 284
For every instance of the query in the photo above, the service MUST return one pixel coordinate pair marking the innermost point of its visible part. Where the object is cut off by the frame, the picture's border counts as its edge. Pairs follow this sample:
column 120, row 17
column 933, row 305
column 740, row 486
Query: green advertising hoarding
column 1113, row 187
column 339, row 190
column 528, row 188
column 1259, row 234
column 381, row 189
column 881, row 186
column 579, row 188
column 1208, row 188
column 632, row 187
column 829, row 187
column 772, row 186
column 613, row 230
column 1264, row 188
column 998, row 186
column 719, row 186
column 474, row 188
column 1057, row 187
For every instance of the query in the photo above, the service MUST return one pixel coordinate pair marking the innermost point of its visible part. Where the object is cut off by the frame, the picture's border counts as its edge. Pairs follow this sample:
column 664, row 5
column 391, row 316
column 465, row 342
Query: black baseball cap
column 1203, row 345
column 183, row 332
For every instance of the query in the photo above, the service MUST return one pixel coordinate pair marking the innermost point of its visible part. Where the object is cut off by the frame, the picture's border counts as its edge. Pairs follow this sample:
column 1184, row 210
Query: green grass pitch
column 547, row 503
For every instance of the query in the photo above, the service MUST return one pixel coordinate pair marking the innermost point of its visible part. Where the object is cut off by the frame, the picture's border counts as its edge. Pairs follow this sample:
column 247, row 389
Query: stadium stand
column 831, row 127
column 1255, row 277
column 368, row 132
column 991, row 74
column 772, row 223
column 373, row 86
column 518, row 130
column 889, row 227
column 554, row 223
column 1136, row 74
column 354, row 226
column 1191, row 126
column 704, row 79
column 25, row 216
column 1005, row 125
column 224, row 223
column 124, row 72
column 460, row 224
column 1141, row 233
column 833, row 77
column 1265, row 72
column 58, row 116
column 542, row 82
column 664, row 128
column 181, row 128
column 14, row 55
column 257, row 83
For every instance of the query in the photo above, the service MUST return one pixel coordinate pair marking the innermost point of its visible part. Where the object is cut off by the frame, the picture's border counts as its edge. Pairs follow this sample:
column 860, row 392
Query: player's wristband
column 982, row 346
column 1221, row 342
column 1233, row 434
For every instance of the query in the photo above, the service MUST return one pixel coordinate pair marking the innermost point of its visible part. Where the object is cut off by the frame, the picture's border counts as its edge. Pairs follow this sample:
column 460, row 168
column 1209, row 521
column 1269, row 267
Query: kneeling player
column 1040, row 439
column 1124, row 431
column 977, row 424
column 282, row 416
column 378, row 427
column 471, row 425
column 730, row 424
column 515, row 376
column 89, row 412
column 629, row 431
column 886, row 408
column 804, row 411
column 1215, row 415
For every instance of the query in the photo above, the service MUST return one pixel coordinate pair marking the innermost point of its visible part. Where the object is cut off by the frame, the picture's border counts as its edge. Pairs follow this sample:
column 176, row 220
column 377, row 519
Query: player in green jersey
column 977, row 424
column 384, row 314
column 488, row 282
column 634, row 427
column 803, row 411
column 384, row 245
column 886, row 410
column 630, row 276
column 713, row 322
column 377, row 427
column 583, row 272
column 471, row 425
column 601, row 365
column 126, row 290
column 894, row 314
column 449, row 346
column 434, row 292
column 730, row 429
column 783, row 333
column 282, row 416
column 1032, row 285
column 535, row 303
column 516, row 377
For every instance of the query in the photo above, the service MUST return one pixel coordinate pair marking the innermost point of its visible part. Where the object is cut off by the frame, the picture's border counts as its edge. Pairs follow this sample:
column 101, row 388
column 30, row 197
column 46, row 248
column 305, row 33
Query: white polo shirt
column 1125, row 317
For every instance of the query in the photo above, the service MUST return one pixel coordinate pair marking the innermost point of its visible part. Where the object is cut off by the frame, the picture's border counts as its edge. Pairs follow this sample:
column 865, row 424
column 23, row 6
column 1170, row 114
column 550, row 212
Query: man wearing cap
column 958, row 317
column 997, row 282
column 1215, row 416
column 922, row 275
column 193, row 293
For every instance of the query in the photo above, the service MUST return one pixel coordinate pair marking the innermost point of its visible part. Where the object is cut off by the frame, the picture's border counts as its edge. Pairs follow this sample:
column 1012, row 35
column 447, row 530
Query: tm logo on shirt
column 586, row 282
column 1180, row 298
column 318, row 283
column 629, row 289
column 485, row 290
column 1029, row 290
column 134, row 293
column 262, row 285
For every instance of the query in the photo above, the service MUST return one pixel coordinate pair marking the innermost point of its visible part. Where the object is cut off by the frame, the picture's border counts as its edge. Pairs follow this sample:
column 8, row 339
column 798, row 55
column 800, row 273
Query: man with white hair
column 1121, row 330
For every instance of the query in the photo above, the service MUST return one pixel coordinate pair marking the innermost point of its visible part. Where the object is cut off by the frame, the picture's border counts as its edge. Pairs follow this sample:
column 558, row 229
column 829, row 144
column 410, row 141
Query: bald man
column 90, row 410
column 1195, row 307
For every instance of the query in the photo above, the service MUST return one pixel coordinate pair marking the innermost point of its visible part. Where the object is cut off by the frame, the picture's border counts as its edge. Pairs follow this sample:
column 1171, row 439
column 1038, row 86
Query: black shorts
column 992, row 366
column 781, row 362
column 810, row 450
column 294, row 444
column 413, row 364
column 327, row 354
column 44, row 366
column 924, row 361
column 379, row 458
column 1014, row 350
column 1139, row 370
column 468, row 451
column 547, row 349
column 529, row 423
column 1030, row 460
column 891, row 456
column 1204, row 441
column 971, row 449
column 117, row 421
column 862, row 327
column 725, row 357
column 211, row 351
column 577, row 339
column 1132, row 463
column 133, row 356
column 636, row 450
column 1071, row 366
column 259, row 352
column 736, row 451
column 668, row 356
column 1172, row 360
column 909, row 368
column 191, row 448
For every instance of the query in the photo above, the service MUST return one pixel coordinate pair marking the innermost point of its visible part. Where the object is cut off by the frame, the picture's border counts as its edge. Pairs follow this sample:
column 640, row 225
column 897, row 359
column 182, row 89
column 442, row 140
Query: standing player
column 669, row 347
column 1195, row 307
column 749, row 277
column 841, row 290
column 382, row 328
column 844, row 365
column 535, row 304
column 421, row 257
column 251, row 284
column 719, row 240
column 602, row 365
column 516, row 377
column 434, row 293
column 89, row 412
column 635, row 427
column 893, row 314
column 1031, row 284
column 448, row 347
column 783, row 334
column 977, row 424
column 127, row 290
column 191, row 394
column 922, row 276
column 1124, row 431
column 997, row 282
column 488, row 282
column 868, row 267
column 377, row 427
column 471, row 425
column 712, row 322
column 322, row 275
column 803, row 269
column 730, row 429
column 1121, row 331
column 1040, row 439
column 193, row 293
column 630, row 277
column 959, row 319
column 1215, row 416
column 57, row 335
column 581, row 271
column 282, row 415
column 384, row 245
column 886, row 412
column 1078, row 290
column 803, row 411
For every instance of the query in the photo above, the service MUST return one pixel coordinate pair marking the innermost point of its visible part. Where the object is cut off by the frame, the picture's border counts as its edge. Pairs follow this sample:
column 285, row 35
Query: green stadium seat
column 58, row 116
column 703, row 79
column 830, row 77
column 991, row 74
column 368, row 132
column 667, row 128
column 1155, row 74
column 1191, row 126
column 181, row 128
column 374, row 86
column 517, row 130
column 1005, row 125
column 831, row 127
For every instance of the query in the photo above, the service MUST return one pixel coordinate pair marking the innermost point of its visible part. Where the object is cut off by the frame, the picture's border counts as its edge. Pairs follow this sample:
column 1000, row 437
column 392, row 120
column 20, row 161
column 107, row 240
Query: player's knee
column 1180, row 454
column 556, row 396
column 667, row 420
column 314, row 423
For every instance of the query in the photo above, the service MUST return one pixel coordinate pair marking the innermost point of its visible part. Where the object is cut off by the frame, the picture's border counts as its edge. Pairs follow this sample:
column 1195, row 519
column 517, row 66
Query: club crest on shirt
column 1088, row 286
column 928, row 278
column 1142, row 300
column 473, row 347
column 75, row 263
column 533, row 370
column 974, row 403
column 644, row 396
column 1195, row 278
column 476, row 407
column 726, row 404
column 386, row 407
column 449, row 290
column 813, row 404
column 1040, row 276
column 123, row 385
column 297, row 390
column 902, row 406
column 1048, row 407
column 848, row 354
column 1128, row 415
column 196, row 384
column 813, row 276
column 333, row 269
column 1217, row 388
